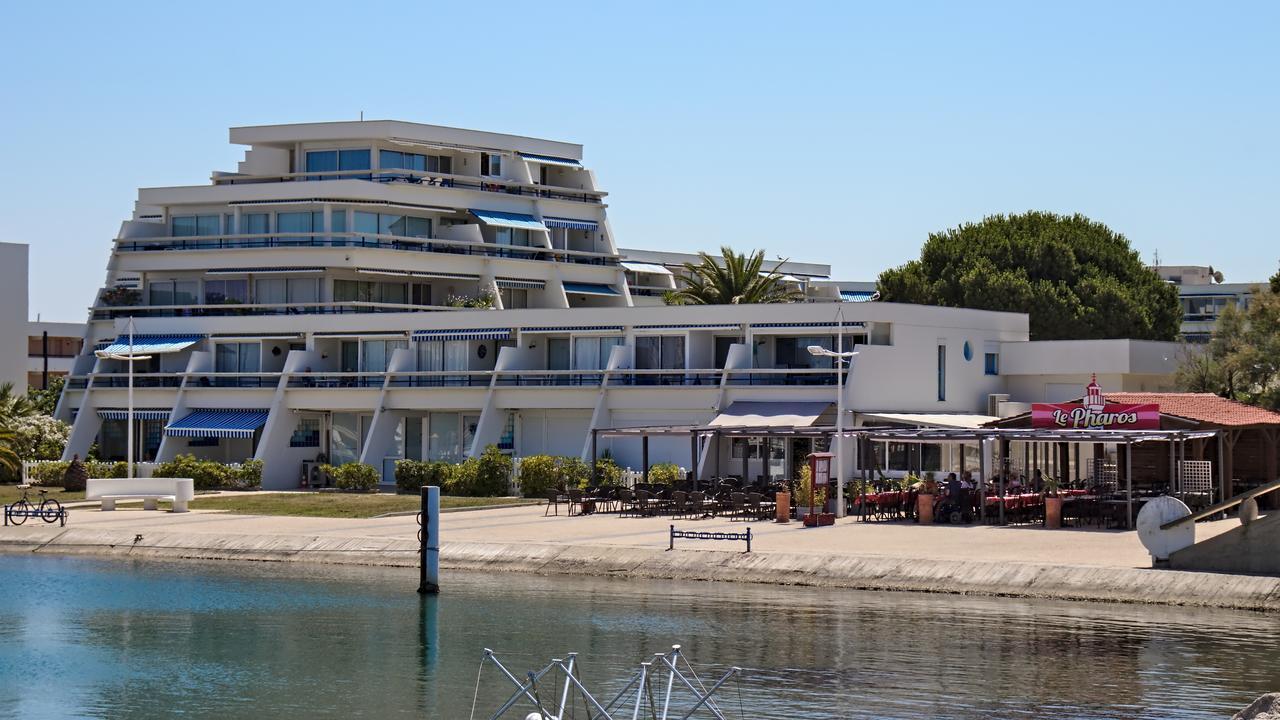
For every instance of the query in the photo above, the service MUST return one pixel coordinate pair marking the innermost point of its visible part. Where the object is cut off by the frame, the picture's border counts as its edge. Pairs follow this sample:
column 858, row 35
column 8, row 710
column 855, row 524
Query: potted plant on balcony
column 1052, row 503
column 121, row 297
column 924, row 500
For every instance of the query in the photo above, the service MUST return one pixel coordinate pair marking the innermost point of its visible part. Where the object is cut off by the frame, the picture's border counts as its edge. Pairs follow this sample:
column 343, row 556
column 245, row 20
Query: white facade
column 13, row 315
column 311, row 300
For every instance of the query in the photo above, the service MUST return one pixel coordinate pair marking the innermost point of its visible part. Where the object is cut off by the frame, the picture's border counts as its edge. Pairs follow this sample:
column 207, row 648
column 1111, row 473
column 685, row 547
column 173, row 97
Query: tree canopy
column 1075, row 277
column 738, row 279
column 1275, row 283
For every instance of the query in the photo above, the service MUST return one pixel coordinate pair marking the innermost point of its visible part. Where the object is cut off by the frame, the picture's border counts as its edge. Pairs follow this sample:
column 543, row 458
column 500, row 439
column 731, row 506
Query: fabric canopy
column 590, row 288
column 138, row 413
column 649, row 268
column 520, row 283
column 941, row 420
column 552, row 160
column 151, row 344
column 519, row 221
column 746, row 413
column 263, row 270
column 218, row 424
column 573, row 329
column 571, row 224
column 857, row 295
column 464, row 334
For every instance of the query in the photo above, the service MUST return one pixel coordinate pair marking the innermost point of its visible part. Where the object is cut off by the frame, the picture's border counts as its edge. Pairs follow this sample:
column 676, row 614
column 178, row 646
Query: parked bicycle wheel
column 50, row 510
column 19, row 512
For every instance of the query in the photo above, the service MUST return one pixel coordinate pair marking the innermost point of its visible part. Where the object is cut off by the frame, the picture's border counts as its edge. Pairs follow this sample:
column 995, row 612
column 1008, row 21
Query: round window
column 968, row 351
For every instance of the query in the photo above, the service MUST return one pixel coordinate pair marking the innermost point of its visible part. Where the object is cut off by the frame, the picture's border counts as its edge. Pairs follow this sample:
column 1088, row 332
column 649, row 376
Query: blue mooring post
column 429, row 542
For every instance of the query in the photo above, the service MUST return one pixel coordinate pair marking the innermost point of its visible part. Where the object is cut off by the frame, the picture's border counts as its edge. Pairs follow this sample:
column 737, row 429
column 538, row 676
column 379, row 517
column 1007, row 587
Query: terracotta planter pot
column 783, row 500
column 924, row 508
column 819, row 519
column 1053, row 512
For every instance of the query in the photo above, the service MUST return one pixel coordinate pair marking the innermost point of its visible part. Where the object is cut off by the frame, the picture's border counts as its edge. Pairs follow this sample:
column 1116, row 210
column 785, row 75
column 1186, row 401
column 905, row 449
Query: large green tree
column 1275, row 283
column 736, row 279
column 1076, row 278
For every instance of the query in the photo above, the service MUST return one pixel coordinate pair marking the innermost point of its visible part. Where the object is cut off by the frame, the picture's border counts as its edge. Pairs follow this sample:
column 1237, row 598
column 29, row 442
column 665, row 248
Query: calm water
column 119, row 639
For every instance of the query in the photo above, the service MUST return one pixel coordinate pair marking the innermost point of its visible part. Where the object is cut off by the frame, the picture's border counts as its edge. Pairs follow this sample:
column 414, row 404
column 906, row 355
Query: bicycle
column 48, row 510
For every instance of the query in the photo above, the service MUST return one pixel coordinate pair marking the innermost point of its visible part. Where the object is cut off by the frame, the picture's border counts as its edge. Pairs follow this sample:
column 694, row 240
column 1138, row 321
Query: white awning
column 781, row 276
column 939, row 420
column 649, row 268
column 770, row 414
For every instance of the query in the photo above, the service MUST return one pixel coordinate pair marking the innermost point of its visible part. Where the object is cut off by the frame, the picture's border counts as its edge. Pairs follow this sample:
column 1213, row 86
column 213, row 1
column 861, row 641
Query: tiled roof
column 1202, row 407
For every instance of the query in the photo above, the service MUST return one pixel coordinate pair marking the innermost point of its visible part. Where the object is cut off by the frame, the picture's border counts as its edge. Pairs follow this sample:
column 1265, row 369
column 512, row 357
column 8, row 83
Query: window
column 191, row 225
column 237, row 357
column 306, row 434
column 255, row 224
column 991, row 363
column 367, row 223
column 777, row 449
column 174, row 292
column 511, row 236
column 303, row 290
column 203, row 442
column 942, row 372
column 365, row 291
column 592, row 353
column 270, row 291
column 513, row 299
column 421, row 294
column 341, row 160
column 443, row 442
column 377, row 353
column 299, row 223
column 507, row 441
column 344, row 438
column 219, row 292
column 660, row 352
column 490, row 165
column 393, row 160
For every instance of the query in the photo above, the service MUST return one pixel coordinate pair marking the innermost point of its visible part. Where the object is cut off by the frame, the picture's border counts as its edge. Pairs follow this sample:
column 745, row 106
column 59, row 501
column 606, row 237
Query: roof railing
column 427, row 179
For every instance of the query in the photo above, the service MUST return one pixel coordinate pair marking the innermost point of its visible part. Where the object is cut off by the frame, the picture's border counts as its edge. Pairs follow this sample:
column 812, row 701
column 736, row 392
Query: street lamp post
column 841, row 358
column 130, row 357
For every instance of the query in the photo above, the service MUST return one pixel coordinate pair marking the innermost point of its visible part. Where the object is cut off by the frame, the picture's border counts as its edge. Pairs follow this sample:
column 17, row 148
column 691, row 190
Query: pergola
column 909, row 435
column 1049, row 435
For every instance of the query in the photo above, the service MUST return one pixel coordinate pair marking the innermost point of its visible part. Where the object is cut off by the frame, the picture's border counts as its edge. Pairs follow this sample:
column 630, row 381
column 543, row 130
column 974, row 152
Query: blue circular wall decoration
column 968, row 351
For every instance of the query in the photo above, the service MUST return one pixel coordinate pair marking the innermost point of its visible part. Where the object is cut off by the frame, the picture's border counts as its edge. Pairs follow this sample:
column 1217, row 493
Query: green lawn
column 336, row 505
column 10, row 493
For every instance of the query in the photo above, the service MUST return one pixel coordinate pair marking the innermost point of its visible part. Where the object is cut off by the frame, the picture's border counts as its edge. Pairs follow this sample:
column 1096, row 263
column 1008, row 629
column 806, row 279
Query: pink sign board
column 1109, row 416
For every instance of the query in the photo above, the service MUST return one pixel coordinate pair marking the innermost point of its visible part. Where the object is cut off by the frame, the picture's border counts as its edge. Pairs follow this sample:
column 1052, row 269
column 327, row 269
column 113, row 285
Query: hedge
column 356, row 477
column 209, row 474
column 413, row 475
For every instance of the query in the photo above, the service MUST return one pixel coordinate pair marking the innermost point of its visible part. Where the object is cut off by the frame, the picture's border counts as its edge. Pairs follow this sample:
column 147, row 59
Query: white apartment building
column 1203, row 296
column 320, row 303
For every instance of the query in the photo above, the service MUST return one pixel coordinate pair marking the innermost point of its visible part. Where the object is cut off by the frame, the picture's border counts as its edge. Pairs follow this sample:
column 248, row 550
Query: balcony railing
column 781, row 376
column 338, row 380
column 108, row 312
column 359, row 240
column 140, row 380
column 425, row 179
column 442, row 378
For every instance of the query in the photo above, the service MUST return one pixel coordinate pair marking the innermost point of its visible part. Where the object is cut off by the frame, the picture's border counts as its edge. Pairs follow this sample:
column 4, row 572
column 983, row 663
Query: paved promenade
column 1018, row 561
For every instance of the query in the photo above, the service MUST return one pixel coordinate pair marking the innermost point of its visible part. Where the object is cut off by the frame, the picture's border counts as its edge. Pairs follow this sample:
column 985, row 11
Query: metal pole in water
column 429, row 547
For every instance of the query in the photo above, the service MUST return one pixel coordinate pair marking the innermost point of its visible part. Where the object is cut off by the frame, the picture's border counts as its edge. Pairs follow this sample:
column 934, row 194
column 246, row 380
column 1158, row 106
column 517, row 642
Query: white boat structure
column 665, row 687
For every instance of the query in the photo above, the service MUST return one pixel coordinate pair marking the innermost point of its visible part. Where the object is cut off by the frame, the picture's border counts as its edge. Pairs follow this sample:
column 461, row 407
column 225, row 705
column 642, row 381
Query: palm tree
column 737, row 280
column 14, row 406
column 9, row 460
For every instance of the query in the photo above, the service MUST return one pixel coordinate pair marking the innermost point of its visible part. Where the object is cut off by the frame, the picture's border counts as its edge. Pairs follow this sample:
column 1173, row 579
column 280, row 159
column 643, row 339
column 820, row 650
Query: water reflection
column 151, row 640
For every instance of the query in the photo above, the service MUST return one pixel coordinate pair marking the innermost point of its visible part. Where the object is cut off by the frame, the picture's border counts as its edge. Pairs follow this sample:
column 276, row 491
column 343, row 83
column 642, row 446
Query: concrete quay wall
column 1014, row 579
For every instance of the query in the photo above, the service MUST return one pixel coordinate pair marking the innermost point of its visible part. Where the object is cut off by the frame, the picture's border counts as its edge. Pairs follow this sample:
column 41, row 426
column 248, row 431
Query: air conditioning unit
column 994, row 400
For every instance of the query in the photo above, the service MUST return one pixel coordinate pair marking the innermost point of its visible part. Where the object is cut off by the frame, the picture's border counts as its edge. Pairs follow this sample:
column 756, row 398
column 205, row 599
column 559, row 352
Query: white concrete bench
column 149, row 490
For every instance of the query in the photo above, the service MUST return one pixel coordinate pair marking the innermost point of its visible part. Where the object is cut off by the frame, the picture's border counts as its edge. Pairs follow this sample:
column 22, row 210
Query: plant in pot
column 924, row 500
column 814, row 499
column 1052, row 503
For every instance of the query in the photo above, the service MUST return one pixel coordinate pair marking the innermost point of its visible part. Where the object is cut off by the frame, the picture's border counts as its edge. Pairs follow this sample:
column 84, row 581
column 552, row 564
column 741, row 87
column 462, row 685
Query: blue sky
column 828, row 132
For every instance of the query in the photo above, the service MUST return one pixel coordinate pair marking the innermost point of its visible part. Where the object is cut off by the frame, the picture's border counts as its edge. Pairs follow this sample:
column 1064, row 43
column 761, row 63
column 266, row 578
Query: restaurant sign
column 1094, row 413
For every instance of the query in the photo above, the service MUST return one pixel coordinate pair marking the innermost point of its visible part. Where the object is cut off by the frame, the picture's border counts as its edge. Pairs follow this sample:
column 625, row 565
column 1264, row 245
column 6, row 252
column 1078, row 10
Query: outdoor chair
column 554, row 501
column 626, row 502
column 679, row 504
column 644, row 504
column 575, row 501
column 697, row 504
column 737, row 506
column 755, row 506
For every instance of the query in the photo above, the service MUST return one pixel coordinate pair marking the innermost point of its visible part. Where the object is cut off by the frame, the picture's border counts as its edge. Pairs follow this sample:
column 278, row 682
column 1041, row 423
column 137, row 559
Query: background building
column 1204, row 296
column 52, row 348
column 13, row 315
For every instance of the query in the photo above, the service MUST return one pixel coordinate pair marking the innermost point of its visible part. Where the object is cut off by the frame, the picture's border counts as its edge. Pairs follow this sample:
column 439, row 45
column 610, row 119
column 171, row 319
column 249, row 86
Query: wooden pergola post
column 644, row 456
column 1128, row 484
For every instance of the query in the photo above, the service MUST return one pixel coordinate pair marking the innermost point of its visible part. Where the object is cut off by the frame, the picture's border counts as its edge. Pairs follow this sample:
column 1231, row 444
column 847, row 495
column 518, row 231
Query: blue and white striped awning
column 857, row 295
column 429, row 274
column 463, row 334
column 519, row 221
column 590, row 288
column 151, row 344
column 138, row 413
column 221, row 423
column 264, row 270
column 520, row 283
column 552, row 160
column 571, row 223
column 691, row 326
column 783, row 327
column 573, row 329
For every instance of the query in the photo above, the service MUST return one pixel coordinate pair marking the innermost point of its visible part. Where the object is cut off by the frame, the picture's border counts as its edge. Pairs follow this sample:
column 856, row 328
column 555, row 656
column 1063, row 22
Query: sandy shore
column 1014, row 561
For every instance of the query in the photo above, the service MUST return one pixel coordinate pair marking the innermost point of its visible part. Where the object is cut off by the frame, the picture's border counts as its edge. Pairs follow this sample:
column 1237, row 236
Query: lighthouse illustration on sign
column 1093, row 401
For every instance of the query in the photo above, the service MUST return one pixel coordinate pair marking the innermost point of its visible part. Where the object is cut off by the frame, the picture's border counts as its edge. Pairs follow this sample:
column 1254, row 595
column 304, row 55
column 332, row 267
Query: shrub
column 608, row 472
column 665, row 474
column 413, row 475
column 356, row 477
column 461, row 478
column 51, row 474
column 205, row 474
column 538, row 474
column 493, row 474
column 106, row 469
column 249, row 474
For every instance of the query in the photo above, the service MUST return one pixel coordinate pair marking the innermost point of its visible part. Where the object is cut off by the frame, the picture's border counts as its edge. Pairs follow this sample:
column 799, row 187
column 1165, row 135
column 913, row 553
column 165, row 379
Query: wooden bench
column 149, row 490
